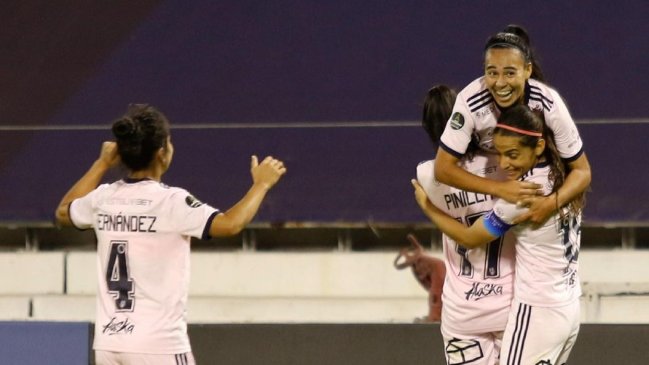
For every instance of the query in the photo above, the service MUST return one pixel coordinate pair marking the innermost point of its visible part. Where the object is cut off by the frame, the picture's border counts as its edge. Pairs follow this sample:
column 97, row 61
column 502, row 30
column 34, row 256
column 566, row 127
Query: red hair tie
column 521, row 131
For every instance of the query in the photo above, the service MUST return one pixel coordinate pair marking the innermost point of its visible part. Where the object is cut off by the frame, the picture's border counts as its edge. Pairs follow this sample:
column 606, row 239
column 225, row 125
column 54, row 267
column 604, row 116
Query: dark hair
column 438, row 106
column 523, row 118
column 515, row 36
column 140, row 133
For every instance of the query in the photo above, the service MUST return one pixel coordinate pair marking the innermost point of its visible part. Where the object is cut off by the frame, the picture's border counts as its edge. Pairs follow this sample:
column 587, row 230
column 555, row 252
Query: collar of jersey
column 129, row 180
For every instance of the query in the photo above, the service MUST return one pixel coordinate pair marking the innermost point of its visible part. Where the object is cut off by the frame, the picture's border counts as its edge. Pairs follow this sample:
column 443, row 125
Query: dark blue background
column 70, row 67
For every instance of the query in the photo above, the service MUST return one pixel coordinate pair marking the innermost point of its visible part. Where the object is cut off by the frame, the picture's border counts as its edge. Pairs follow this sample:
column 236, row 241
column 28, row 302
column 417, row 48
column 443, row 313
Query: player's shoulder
column 542, row 96
column 476, row 95
column 477, row 101
column 540, row 174
column 180, row 195
column 483, row 164
column 426, row 168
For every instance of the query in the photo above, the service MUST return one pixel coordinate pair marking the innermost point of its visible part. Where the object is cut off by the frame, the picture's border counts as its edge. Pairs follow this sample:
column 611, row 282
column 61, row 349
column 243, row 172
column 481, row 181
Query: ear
column 161, row 155
column 540, row 147
column 528, row 70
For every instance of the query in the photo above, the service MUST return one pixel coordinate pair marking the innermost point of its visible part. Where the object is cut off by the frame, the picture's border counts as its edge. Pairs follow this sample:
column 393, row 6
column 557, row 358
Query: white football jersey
column 143, row 230
column 475, row 114
column 478, row 287
column 547, row 256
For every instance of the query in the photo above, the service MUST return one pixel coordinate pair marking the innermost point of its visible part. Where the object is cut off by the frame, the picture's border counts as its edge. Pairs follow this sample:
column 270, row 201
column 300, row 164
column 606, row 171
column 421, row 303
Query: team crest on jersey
column 457, row 121
column 193, row 202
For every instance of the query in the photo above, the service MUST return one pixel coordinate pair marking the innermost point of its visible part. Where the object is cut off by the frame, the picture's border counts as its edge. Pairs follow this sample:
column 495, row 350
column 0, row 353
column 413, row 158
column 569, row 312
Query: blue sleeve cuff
column 496, row 226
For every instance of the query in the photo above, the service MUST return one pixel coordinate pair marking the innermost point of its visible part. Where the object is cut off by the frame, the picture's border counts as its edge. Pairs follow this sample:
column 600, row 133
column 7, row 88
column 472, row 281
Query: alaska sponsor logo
column 193, row 202
column 457, row 121
column 115, row 327
column 483, row 290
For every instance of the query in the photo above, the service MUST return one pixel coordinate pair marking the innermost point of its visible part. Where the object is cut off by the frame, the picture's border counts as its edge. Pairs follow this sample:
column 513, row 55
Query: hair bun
column 125, row 128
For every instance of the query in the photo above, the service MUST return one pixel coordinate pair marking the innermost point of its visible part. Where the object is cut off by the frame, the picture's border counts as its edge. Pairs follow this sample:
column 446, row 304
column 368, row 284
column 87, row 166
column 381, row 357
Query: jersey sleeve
column 81, row 210
column 459, row 128
column 566, row 134
column 499, row 219
column 190, row 216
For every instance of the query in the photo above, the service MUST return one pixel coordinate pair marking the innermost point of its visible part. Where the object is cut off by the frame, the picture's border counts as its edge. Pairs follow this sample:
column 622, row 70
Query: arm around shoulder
column 470, row 237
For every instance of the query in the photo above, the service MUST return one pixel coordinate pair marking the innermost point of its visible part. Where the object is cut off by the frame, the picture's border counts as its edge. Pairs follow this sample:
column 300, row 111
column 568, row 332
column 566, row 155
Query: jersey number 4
column 118, row 281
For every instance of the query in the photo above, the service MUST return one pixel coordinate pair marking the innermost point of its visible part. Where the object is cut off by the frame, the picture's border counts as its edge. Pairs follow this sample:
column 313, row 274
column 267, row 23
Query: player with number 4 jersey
column 144, row 229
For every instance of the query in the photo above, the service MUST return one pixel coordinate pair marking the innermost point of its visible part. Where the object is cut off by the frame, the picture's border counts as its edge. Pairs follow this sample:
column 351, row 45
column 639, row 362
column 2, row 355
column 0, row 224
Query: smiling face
column 506, row 72
column 515, row 158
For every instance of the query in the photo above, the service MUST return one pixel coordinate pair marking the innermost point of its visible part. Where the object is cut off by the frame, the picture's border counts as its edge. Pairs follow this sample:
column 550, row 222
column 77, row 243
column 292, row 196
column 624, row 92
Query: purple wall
column 300, row 61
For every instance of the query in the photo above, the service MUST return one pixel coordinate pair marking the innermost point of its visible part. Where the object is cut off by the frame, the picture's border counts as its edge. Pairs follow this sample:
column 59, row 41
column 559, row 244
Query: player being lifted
column 544, row 319
column 143, row 230
column 511, row 77
column 477, row 292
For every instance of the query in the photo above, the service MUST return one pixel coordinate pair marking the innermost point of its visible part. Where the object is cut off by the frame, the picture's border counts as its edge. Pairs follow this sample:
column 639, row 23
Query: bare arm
column 264, row 176
column 470, row 237
column 577, row 181
column 448, row 172
column 88, row 182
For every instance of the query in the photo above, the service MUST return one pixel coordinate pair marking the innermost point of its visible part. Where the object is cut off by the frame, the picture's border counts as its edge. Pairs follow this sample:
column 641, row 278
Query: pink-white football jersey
column 475, row 115
column 547, row 256
column 143, row 230
column 477, row 291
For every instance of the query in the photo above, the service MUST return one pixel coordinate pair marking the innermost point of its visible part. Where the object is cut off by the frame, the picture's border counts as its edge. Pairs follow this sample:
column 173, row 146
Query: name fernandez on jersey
column 126, row 223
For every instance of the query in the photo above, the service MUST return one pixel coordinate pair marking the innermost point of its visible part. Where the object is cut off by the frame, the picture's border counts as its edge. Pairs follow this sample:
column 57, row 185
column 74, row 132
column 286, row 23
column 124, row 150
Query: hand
column 420, row 194
column 515, row 191
column 540, row 209
column 268, row 173
column 109, row 155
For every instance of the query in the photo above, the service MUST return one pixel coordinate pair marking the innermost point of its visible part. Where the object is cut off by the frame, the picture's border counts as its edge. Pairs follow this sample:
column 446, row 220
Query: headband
column 521, row 131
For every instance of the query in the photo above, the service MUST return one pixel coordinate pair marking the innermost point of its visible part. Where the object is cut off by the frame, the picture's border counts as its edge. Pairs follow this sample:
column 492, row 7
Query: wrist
column 261, row 185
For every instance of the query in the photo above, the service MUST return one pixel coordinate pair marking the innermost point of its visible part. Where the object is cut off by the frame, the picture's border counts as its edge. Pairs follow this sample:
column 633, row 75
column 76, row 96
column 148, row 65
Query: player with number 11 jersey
column 477, row 292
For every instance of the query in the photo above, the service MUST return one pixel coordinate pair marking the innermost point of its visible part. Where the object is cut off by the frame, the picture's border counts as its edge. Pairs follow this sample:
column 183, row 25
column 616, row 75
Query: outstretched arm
column 88, row 182
column 448, row 172
column 469, row 237
column 264, row 176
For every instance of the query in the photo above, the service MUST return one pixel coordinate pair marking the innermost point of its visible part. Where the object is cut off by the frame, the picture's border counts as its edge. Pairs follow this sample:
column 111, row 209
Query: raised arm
column 88, row 182
column 469, row 237
column 264, row 176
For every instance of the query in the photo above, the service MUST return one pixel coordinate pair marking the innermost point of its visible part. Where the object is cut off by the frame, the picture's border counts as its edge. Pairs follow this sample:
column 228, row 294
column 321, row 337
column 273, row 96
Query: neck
column 151, row 173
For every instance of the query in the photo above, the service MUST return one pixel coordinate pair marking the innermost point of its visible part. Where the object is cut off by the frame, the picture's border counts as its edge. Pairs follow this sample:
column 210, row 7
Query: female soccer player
column 478, row 289
column 143, row 230
column 509, row 71
column 544, row 319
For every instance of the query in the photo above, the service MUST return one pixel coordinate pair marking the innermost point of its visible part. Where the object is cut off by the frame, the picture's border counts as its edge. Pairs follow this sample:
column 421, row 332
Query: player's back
column 478, row 287
column 143, row 244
